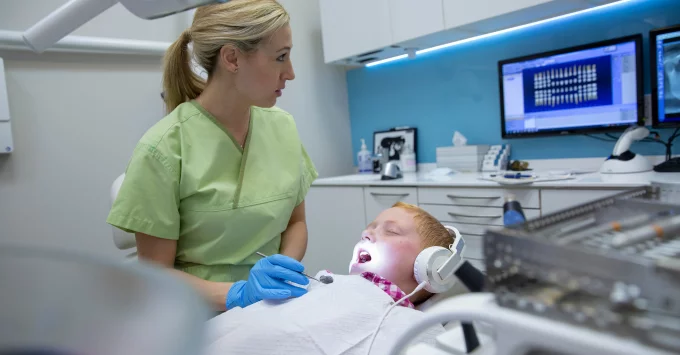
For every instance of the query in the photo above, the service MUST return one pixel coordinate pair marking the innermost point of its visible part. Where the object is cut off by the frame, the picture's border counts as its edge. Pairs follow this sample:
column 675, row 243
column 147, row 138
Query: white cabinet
column 378, row 199
column 353, row 27
column 556, row 200
column 411, row 19
column 356, row 32
column 459, row 13
column 529, row 198
column 335, row 220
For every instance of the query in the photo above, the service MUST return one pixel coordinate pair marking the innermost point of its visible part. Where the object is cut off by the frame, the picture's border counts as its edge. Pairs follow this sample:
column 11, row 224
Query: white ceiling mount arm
column 76, row 13
column 63, row 21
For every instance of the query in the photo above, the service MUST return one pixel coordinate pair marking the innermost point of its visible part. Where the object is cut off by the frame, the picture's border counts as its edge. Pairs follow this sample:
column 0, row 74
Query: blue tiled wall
column 457, row 88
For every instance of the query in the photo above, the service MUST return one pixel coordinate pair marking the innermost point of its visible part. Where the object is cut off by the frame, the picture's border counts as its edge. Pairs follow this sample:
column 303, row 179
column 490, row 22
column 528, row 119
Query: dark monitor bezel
column 653, row 76
column 637, row 38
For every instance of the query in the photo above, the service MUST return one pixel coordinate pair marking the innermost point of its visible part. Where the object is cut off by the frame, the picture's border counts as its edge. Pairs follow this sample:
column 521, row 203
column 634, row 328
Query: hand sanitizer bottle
column 364, row 159
column 408, row 160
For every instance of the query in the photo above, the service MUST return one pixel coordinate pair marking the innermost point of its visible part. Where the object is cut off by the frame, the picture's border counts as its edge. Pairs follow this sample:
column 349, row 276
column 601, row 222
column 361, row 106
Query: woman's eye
column 281, row 58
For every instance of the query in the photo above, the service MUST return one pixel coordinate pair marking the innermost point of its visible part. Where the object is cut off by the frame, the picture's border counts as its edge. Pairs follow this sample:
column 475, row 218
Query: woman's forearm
column 294, row 240
column 215, row 293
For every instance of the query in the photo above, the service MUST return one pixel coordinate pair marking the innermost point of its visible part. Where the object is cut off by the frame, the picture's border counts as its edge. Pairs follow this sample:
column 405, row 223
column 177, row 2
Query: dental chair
column 122, row 240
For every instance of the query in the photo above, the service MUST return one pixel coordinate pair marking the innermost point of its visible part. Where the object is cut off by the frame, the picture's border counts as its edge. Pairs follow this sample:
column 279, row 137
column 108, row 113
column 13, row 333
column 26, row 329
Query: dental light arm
column 76, row 13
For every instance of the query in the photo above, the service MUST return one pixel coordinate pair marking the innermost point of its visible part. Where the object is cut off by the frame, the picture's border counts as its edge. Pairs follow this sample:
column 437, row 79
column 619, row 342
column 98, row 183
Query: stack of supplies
column 465, row 158
column 496, row 158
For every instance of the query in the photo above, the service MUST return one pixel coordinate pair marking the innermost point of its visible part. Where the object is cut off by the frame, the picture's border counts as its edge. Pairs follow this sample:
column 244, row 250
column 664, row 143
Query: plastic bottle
column 512, row 212
column 364, row 159
column 408, row 160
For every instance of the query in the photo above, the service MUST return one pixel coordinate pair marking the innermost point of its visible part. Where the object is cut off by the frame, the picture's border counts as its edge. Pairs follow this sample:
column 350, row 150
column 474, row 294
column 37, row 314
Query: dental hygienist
column 223, row 175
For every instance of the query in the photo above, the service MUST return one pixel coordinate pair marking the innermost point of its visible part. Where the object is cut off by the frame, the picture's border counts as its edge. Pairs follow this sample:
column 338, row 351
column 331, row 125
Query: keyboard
column 669, row 166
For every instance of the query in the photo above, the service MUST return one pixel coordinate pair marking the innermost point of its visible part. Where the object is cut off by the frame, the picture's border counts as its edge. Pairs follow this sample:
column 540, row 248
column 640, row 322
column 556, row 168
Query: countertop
column 587, row 181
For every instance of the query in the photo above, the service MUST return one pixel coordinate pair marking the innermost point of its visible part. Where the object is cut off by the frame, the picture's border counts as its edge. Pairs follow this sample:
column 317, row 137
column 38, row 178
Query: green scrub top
column 188, row 180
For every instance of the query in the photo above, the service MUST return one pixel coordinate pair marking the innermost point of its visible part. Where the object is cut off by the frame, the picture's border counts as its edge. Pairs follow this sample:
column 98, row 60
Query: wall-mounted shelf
column 13, row 41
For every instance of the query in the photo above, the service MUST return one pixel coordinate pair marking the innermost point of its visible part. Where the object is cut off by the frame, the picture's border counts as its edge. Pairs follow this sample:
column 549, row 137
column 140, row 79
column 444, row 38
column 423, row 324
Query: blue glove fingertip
column 297, row 291
column 234, row 296
column 287, row 262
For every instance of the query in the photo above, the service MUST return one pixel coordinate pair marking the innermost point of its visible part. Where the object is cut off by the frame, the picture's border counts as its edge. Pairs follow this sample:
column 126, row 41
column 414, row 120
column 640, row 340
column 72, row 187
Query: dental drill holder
column 624, row 161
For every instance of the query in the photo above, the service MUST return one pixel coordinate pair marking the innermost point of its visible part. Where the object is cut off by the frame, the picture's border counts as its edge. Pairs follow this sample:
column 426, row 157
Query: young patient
column 340, row 318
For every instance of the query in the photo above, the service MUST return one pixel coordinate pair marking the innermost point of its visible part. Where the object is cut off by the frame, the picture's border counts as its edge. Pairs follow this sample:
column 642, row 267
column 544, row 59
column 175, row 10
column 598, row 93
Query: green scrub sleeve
column 309, row 174
column 148, row 200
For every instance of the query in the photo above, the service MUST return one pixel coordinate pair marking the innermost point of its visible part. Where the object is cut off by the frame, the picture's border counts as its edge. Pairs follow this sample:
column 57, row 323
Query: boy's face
column 389, row 247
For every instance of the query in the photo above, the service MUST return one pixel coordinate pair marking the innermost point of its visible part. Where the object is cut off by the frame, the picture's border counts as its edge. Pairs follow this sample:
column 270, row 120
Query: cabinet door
column 379, row 199
column 556, row 200
column 335, row 220
column 462, row 12
column 351, row 27
column 411, row 19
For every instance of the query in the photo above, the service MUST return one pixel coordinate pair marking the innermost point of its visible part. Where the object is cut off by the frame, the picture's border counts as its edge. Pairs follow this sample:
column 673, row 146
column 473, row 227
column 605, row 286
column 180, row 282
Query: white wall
column 76, row 119
column 317, row 98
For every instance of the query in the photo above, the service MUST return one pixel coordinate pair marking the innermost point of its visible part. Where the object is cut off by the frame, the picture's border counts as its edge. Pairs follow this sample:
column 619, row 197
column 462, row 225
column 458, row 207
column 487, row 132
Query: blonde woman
column 223, row 175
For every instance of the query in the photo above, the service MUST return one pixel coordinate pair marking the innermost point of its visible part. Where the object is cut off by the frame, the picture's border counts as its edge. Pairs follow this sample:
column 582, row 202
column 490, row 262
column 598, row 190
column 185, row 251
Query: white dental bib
column 338, row 318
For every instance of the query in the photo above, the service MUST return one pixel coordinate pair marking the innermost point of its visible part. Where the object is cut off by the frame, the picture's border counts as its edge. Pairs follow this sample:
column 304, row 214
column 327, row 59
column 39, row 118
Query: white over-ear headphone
column 436, row 265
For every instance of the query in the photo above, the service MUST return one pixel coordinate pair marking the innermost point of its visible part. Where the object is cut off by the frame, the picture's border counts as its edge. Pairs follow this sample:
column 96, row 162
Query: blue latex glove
column 267, row 281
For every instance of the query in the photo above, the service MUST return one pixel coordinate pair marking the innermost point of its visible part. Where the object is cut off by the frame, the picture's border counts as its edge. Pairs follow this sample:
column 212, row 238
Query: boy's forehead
column 399, row 215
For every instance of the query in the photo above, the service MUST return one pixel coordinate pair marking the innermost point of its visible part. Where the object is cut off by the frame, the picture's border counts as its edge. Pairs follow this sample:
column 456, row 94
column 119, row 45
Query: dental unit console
column 76, row 13
column 599, row 278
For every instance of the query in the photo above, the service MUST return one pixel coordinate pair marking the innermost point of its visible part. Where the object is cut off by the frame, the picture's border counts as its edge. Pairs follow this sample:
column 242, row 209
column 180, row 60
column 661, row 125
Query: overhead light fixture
column 387, row 60
column 487, row 35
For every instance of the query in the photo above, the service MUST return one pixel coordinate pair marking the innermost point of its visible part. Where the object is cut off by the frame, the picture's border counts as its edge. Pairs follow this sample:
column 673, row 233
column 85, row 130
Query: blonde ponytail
column 180, row 83
column 239, row 23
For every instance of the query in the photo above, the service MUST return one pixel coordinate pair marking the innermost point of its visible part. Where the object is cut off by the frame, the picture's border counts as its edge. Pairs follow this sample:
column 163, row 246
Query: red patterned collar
column 390, row 288
column 387, row 286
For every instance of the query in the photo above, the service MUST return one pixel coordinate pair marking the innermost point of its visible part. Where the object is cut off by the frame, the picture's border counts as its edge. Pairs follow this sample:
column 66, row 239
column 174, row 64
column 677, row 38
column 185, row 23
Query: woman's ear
column 229, row 58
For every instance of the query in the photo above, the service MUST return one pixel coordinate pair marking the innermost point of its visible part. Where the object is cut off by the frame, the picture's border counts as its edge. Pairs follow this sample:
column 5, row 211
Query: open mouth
column 363, row 257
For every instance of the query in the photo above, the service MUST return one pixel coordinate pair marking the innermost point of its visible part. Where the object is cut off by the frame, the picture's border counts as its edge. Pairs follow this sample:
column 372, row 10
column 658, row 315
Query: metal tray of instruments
column 611, row 265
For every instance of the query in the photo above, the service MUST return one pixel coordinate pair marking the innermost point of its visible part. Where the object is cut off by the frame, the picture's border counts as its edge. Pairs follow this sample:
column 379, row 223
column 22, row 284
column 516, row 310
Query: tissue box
column 466, row 158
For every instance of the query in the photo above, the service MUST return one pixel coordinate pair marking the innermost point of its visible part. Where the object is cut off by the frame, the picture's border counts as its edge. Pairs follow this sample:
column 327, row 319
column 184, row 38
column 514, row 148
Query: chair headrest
column 121, row 239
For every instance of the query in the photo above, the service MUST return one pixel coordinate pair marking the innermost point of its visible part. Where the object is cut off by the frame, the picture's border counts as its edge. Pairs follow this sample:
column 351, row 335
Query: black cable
column 657, row 139
column 473, row 279
column 599, row 138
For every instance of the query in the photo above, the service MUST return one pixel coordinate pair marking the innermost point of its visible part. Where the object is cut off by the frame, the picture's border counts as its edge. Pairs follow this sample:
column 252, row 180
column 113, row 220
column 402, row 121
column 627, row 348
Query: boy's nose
column 367, row 236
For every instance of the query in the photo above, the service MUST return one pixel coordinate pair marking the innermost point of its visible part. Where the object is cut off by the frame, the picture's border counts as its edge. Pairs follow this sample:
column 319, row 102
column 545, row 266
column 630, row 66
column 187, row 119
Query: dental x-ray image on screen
column 665, row 73
column 671, row 65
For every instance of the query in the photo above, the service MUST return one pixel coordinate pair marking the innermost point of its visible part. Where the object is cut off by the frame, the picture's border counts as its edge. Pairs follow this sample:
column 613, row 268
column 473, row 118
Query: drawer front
column 378, row 199
column 474, row 248
column 529, row 198
column 557, row 200
column 492, row 216
column 470, row 229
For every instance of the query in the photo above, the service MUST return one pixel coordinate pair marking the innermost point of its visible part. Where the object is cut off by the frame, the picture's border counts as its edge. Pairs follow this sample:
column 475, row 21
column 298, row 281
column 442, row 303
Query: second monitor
column 595, row 87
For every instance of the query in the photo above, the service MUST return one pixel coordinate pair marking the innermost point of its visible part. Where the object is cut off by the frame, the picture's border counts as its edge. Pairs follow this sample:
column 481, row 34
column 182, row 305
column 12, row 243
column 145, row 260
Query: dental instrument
column 312, row 278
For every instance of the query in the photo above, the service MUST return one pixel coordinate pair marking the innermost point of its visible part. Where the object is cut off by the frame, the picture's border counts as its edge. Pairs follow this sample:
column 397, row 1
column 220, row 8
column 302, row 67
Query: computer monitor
column 665, row 73
column 596, row 87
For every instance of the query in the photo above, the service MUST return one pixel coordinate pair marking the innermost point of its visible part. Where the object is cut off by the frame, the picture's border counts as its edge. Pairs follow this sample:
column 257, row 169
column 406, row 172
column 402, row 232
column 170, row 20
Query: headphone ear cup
column 425, row 266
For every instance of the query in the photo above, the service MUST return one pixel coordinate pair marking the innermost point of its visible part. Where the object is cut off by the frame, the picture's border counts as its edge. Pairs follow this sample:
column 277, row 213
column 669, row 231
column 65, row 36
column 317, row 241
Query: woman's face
column 389, row 247
column 262, row 75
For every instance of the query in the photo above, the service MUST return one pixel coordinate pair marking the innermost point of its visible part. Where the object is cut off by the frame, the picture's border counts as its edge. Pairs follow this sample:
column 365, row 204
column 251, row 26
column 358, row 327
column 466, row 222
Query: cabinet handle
column 469, row 216
column 475, row 197
column 386, row 194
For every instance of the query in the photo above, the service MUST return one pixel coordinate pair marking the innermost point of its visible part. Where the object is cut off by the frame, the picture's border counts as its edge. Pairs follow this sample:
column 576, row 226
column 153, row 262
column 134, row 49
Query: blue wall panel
column 457, row 88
